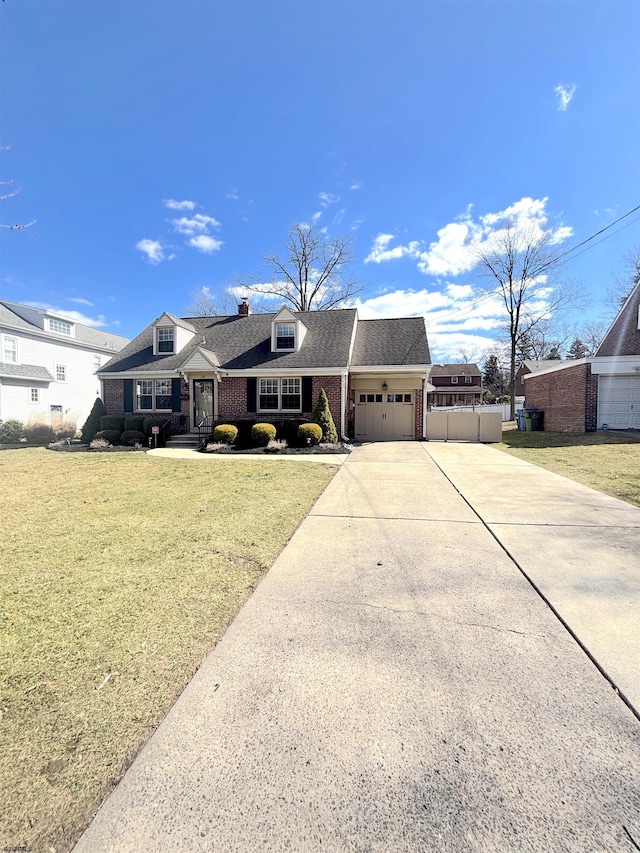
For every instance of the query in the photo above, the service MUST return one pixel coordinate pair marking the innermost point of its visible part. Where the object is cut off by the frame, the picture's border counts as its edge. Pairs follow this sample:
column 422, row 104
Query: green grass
column 605, row 460
column 118, row 572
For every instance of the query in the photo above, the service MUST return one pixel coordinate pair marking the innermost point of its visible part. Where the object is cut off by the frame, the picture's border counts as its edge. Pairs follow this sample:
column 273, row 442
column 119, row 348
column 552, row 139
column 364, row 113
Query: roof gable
column 623, row 336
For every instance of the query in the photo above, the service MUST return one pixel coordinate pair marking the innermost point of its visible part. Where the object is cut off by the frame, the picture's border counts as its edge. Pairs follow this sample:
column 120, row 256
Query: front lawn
column 605, row 460
column 118, row 573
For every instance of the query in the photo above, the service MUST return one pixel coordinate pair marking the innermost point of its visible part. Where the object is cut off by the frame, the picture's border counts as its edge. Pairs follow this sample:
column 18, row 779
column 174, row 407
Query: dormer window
column 285, row 335
column 165, row 340
column 60, row 326
column 454, row 380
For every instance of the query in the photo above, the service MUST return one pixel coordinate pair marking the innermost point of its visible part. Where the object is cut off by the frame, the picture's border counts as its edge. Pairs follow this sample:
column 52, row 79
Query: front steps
column 186, row 441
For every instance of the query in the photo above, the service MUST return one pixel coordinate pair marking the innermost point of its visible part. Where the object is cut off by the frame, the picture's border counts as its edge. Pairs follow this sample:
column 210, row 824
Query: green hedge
column 110, row 435
column 225, row 433
column 134, row 436
column 309, row 434
column 134, row 422
column 112, row 422
column 261, row 434
column 92, row 423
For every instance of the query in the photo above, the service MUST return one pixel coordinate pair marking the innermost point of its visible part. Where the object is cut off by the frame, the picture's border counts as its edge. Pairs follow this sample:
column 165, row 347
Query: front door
column 202, row 401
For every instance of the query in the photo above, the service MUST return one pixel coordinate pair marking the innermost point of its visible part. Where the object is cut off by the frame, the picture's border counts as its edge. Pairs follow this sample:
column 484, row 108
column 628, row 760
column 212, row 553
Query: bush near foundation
column 134, row 422
column 225, row 433
column 323, row 417
column 41, row 434
column 92, row 423
column 11, row 431
column 112, row 422
column 309, row 434
column 262, row 434
column 133, row 437
column 110, row 435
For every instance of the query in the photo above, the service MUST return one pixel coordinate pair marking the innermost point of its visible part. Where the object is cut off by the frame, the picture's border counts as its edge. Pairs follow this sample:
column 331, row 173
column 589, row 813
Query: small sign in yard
column 155, row 430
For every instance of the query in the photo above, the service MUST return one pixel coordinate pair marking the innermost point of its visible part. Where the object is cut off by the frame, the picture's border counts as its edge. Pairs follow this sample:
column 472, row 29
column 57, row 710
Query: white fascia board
column 609, row 365
column 138, row 374
column 354, row 332
column 52, row 337
column 391, row 368
column 285, row 371
column 563, row 366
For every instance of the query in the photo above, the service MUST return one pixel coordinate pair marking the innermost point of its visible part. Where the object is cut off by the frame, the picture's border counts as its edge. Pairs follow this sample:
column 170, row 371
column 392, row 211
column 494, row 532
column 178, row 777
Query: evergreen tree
column 554, row 354
column 322, row 416
column 577, row 349
column 493, row 376
column 92, row 424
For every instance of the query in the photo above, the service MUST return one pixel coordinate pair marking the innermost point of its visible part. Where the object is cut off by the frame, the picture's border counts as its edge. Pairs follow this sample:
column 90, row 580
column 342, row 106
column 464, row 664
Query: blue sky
column 164, row 147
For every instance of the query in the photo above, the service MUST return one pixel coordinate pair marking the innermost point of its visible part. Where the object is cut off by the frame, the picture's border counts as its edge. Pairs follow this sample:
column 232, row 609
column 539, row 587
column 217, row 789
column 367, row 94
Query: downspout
column 424, row 405
column 343, row 400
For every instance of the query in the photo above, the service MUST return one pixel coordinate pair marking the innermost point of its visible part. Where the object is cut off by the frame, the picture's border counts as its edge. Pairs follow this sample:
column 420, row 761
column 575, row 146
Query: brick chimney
column 244, row 309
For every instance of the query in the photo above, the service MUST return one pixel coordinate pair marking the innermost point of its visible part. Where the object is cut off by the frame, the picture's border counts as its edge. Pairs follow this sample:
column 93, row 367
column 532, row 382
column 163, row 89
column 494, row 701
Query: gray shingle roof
column 391, row 342
column 25, row 371
column 27, row 319
column 244, row 343
column 455, row 370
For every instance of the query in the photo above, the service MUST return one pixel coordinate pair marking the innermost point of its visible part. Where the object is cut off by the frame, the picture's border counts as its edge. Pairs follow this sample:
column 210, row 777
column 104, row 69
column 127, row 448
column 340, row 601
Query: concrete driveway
column 395, row 683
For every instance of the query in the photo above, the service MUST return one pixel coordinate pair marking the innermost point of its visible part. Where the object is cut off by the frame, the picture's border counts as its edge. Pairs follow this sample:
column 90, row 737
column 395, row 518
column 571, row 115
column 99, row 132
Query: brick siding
column 419, row 400
column 568, row 397
column 232, row 399
column 331, row 385
column 179, row 422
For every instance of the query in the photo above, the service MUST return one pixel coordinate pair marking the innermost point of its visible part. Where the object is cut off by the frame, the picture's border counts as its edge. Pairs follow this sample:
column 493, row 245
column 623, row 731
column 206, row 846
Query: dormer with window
column 170, row 334
column 60, row 326
column 287, row 332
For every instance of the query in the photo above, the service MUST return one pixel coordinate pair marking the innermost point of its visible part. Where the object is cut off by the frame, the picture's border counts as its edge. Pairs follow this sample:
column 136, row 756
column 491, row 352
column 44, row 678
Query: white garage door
column 619, row 402
column 387, row 416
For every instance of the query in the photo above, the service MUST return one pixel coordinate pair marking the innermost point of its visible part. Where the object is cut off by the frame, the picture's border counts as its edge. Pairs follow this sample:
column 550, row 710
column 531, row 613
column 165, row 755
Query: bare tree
column 464, row 355
column 311, row 274
column 518, row 263
column 623, row 284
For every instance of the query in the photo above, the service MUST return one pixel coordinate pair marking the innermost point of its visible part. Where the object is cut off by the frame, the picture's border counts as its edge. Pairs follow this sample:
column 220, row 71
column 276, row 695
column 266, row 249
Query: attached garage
column 385, row 415
column 619, row 402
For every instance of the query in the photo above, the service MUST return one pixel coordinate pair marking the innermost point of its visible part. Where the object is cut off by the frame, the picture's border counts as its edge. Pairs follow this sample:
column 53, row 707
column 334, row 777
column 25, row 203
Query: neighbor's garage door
column 619, row 402
column 384, row 417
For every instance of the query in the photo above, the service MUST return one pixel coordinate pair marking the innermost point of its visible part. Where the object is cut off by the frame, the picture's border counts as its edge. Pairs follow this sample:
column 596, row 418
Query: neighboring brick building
column 598, row 392
column 455, row 385
column 273, row 367
column 531, row 366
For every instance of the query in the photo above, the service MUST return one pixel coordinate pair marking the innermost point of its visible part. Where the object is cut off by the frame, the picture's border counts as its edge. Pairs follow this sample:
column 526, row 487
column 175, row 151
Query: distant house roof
column 25, row 318
column 534, row 366
column 244, row 343
column 465, row 369
column 25, row 371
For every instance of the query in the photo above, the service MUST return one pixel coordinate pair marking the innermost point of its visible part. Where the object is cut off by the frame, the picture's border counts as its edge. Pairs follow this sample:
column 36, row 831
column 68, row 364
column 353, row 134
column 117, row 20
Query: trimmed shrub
column 112, row 422
column 133, row 422
column 261, row 434
column 39, row 434
column 225, row 433
column 148, row 423
column 133, row 436
column 243, row 425
column 288, row 429
column 92, row 423
column 323, row 417
column 110, row 435
column 309, row 434
column 11, row 431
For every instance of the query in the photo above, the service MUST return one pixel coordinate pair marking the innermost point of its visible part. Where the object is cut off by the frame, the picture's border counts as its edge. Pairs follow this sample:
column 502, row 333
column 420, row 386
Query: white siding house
column 48, row 364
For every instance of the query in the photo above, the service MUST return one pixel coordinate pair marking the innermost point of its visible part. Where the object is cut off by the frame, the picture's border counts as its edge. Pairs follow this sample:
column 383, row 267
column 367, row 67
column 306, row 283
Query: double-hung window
column 467, row 380
column 280, row 395
column 285, row 335
column 454, row 380
column 61, row 373
column 165, row 340
column 10, row 350
column 153, row 395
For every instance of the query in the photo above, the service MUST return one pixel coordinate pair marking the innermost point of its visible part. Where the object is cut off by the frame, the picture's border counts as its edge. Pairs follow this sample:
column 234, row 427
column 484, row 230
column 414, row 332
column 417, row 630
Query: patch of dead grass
column 118, row 574
column 605, row 460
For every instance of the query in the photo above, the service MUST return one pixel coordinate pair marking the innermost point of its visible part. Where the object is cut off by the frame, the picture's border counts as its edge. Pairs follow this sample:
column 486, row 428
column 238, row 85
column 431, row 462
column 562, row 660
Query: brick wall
column 232, row 399
column 331, row 385
column 568, row 397
column 113, row 396
column 419, row 399
column 624, row 337
column 179, row 422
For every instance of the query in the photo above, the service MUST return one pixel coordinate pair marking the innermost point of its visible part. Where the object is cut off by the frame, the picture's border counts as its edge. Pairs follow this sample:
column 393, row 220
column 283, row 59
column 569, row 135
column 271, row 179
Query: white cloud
column 179, row 205
column 198, row 224
column 451, row 253
column 316, row 216
column 356, row 185
column 328, row 198
column 233, row 194
column 356, row 224
column 205, row 243
column 76, row 316
column 565, row 95
column 152, row 249
column 80, row 301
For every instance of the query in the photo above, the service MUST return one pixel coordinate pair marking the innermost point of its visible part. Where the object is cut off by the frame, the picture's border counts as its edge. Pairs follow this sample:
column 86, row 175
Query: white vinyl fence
column 503, row 408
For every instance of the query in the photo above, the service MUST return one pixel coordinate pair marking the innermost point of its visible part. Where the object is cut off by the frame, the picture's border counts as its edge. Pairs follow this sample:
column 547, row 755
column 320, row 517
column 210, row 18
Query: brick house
column 531, row 366
column 598, row 392
column 455, row 385
column 273, row 367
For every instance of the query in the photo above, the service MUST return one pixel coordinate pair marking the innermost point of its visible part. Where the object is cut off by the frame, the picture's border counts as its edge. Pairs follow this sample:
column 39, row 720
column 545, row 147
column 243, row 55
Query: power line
column 597, row 234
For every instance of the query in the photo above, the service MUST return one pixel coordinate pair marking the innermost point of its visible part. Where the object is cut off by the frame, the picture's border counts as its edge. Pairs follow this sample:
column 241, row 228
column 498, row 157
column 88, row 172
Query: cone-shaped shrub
column 92, row 423
column 322, row 416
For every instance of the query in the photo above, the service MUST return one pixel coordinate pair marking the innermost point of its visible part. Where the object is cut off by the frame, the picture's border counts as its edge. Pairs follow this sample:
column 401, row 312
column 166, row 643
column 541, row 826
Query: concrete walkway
column 395, row 683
